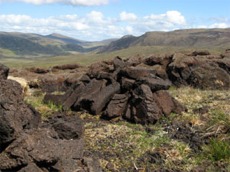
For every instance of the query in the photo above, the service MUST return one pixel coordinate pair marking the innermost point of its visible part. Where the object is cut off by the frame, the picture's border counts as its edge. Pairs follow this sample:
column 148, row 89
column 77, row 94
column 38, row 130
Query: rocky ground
column 28, row 143
column 158, row 113
column 196, row 140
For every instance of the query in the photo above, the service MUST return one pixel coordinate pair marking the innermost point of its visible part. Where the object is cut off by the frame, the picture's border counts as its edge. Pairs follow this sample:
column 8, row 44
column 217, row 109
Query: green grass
column 89, row 58
column 36, row 100
column 219, row 117
column 218, row 150
column 6, row 52
column 54, row 107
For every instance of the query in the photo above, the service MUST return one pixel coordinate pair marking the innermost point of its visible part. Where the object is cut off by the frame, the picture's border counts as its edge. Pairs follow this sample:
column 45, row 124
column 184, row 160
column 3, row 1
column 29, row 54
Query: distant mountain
column 65, row 39
column 22, row 44
column 196, row 38
column 124, row 42
column 28, row 44
column 14, row 44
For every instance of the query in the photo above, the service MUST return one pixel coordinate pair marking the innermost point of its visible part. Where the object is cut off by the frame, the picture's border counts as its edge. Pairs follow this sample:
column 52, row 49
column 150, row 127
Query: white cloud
column 219, row 25
column 97, row 26
column 79, row 26
column 24, row 23
column 129, row 29
column 15, row 19
column 170, row 18
column 88, row 2
column 71, row 17
column 72, row 2
column 95, row 16
column 92, row 26
column 124, row 16
column 175, row 17
column 214, row 25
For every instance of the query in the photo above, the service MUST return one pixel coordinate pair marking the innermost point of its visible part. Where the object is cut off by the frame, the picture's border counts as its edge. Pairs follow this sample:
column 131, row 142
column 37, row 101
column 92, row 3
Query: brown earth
column 140, row 90
column 29, row 144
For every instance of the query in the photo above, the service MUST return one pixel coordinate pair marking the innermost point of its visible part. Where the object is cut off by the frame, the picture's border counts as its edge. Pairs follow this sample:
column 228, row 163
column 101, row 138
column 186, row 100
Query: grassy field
column 89, row 58
column 7, row 52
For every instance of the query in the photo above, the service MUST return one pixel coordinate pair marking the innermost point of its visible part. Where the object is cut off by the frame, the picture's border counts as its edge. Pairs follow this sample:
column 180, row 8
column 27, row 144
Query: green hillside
column 27, row 44
column 191, row 38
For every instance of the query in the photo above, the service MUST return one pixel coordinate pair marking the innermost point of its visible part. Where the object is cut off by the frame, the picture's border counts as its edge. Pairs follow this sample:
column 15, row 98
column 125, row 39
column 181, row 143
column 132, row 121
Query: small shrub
column 54, row 107
column 44, row 109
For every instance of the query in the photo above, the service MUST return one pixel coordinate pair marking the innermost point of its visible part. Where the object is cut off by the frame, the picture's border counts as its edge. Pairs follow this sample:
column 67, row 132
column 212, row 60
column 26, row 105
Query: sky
column 95, row 20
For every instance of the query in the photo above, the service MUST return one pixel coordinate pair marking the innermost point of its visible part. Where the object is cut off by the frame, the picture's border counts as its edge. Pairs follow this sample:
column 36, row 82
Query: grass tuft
column 217, row 150
column 36, row 100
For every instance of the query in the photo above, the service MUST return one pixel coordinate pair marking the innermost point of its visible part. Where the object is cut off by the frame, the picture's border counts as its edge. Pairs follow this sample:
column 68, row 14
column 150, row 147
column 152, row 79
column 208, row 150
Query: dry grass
column 132, row 146
column 123, row 146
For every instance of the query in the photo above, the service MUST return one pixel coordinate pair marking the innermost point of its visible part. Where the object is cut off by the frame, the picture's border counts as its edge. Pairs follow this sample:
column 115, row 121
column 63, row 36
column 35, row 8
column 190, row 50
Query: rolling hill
column 28, row 44
column 196, row 38
column 14, row 44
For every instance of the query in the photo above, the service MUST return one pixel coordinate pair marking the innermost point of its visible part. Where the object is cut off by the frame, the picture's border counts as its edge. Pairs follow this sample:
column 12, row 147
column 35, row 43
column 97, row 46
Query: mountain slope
column 197, row 38
column 28, row 44
column 64, row 39
column 124, row 42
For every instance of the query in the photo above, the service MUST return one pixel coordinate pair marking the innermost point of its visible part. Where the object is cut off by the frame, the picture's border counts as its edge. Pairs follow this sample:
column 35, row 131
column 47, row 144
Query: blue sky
column 102, row 19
